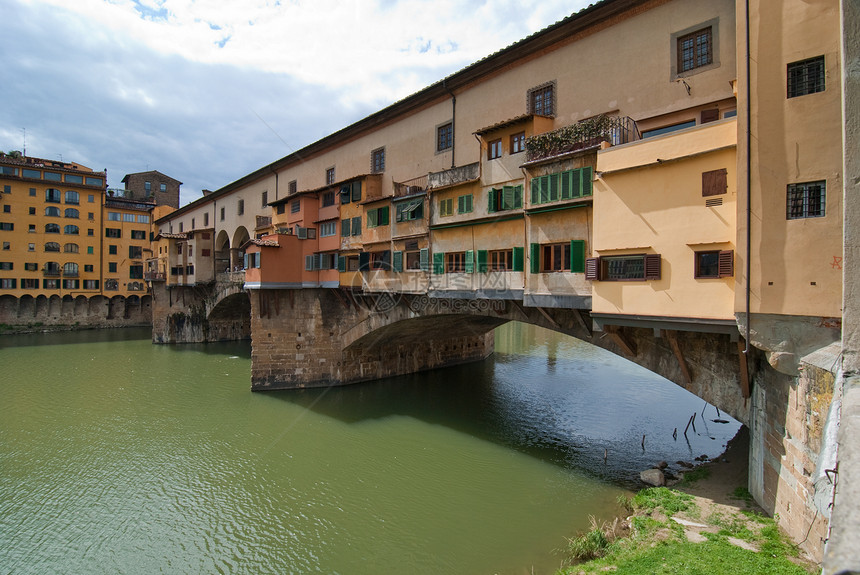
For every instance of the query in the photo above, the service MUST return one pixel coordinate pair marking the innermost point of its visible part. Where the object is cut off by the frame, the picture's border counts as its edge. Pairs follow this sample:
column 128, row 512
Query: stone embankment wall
column 34, row 314
column 199, row 314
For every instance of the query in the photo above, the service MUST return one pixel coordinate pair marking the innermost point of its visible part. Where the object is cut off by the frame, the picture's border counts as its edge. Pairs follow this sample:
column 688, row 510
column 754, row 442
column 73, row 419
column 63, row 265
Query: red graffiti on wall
column 837, row 263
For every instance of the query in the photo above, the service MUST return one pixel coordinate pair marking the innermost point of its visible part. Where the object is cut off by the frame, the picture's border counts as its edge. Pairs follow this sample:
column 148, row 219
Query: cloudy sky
column 207, row 91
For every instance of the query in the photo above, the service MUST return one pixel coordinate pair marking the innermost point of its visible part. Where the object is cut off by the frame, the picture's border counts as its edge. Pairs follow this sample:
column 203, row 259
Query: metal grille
column 713, row 202
column 806, row 77
column 805, row 200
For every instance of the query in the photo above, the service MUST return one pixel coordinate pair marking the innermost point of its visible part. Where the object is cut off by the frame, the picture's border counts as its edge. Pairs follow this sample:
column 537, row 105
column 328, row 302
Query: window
column 377, row 217
column 567, row 185
column 32, row 174
column 541, row 100
column 380, row 260
column 507, row 198
column 50, row 284
column 113, row 233
column 806, row 77
column 33, row 192
column 91, row 284
column 91, row 216
column 328, row 229
column 414, row 259
column 329, row 176
column 31, row 228
column 377, row 160
column 91, row 198
column 143, row 218
column 240, row 207
column 162, row 187
column 90, row 250
column 70, row 179
column 714, row 264
column 112, row 267
column 147, row 186
column 90, row 232
column 292, row 187
column 806, row 200
column 265, row 199
column 6, row 266
column 70, row 229
column 73, row 197
column 695, row 50
column 295, row 206
column 31, row 266
column 111, row 284
column 518, row 143
column 446, row 207
column 70, row 269
column 205, row 220
column 7, row 246
column 135, row 252
column 344, row 228
column 71, row 213
column 412, row 210
column 112, row 250
column 7, row 209
column 494, row 149
column 356, row 226
column 29, row 283
column 8, row 283
column 136, row 272
column 71, row 248
column 555, row 257
column 328, row 199
column 623, row 268
column 497, row 261
column 464, row 204
column 52, row 195
column 138, row 234
column 222, row 213
column 8, row 189
column 31, row 211
column 9, row 226
column 52, row 211
column 51, row 269
column 455, row 262
column 128, row 218
column 71, row 284
column 52, row 247
column 667, row 129
column 714, row 182
column 445, row 137
column 88, row 268
column 52, row 228
column 53, row 176
column 114, row 217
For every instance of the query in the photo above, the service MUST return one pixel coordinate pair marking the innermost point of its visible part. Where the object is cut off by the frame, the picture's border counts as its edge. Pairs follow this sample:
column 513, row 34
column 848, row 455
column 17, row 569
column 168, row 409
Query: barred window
column 695, row 50
column 542, row 100
column 805, row 200
column 806, row 77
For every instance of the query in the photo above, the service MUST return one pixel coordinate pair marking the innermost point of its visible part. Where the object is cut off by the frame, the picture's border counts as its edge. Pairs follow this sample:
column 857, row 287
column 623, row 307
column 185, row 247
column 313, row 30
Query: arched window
column 52, row 228
column 52, row 247
column 72, row 197
column 70, row 269
column 70, row 229
column 52, row 211
column 72, row 213
column 51, row 269
column 52, row 195
column 112, row 285
column 70, row 248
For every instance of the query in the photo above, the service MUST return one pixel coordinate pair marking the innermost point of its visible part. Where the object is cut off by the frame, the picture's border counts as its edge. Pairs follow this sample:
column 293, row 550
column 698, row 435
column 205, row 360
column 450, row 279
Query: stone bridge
column 321, row 337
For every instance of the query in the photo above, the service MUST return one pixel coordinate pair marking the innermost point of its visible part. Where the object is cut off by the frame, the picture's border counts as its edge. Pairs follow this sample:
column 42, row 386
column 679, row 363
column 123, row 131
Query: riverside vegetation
column 671, row 532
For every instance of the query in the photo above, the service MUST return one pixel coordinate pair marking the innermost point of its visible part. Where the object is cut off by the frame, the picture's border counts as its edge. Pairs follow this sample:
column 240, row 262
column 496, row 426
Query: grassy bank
column 672, row 532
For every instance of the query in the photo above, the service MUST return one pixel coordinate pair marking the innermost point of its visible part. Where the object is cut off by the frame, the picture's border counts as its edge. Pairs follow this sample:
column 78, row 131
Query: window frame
column 445, row 136
column 517, row 143
column 542, row 99
column 797, row 77
column 494, row 149
column 377, row 160
column 722, row 267
column 800, row 191
column 676, row 38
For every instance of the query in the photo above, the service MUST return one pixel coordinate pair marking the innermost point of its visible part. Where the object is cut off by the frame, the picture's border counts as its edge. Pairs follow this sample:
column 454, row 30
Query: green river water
column 119, row 456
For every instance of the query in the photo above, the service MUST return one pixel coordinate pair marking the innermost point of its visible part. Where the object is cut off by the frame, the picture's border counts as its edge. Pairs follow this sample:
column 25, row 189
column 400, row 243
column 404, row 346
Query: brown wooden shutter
column 726, row 264
column 714, row 182
column 710, row 116
column 652, row 266
column 592, row 269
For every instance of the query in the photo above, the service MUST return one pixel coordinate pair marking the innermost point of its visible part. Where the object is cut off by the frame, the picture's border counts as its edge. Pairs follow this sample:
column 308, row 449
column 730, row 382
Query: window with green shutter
column 446, row 207
column 577, row 256
column 469, row 267
column 341, row 263
column 439, row 262
column 397, row 261
column 534, row 258
column 344, row 227
column 519, row 259
column 464, row 204
column 482, row 261
column 424, row 259
column 565, row 185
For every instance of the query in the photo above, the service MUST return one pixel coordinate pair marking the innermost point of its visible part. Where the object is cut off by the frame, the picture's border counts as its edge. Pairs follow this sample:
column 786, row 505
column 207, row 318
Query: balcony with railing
column 585, row 134
column 454, row 176
column 263, row 222
column 410, row 187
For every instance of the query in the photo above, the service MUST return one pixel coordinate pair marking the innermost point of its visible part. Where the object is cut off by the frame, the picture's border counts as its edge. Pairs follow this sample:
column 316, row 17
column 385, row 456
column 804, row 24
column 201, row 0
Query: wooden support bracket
column 679, row 355
column 581, row 321
column 615, row 333
column 342, row 298
column 544, row 313
column 744, row 369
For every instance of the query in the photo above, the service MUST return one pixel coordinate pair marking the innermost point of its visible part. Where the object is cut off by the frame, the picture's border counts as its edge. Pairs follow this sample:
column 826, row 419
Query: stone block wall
column 78, row 312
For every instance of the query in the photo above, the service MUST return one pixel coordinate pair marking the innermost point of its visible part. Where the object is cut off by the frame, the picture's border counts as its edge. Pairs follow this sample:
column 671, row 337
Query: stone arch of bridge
column 232, row 303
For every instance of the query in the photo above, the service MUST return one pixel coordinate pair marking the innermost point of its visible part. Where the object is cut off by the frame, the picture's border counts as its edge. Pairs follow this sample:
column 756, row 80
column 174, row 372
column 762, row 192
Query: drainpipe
column 749, row 181
column 453, row 121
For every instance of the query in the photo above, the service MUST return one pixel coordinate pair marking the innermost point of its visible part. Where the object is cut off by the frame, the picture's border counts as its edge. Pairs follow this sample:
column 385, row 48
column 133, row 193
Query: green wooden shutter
column 470, row 262
column 356, row 191
column 438, row 262
column 535, row 187
column 491, row 201
column 383, row 216
column 576, row 183
column 482, row 261
column 534, row 263
column 586, row 180
column 566, row 176
column 341, row 263
column 544, row 189
column 519, row 257
column 518, row 197
column 553, row 187
column 397, row 262
column 424, row 259
column 577, row 256
column 356, row 226
column 344, row 227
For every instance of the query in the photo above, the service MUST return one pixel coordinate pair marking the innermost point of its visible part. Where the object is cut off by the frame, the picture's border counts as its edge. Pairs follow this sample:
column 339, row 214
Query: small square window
column 445, row 137
column 714, row 264
column 494, row 149
column 695, row 50
column 806, row 77
column 292, row 187
column 377, row 160
column 806, row 200
column 329, row 176
column 542, row 100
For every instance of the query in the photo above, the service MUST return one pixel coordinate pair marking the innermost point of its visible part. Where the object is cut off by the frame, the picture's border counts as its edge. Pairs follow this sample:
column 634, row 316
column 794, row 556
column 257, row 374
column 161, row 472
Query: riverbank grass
column 668, row 533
